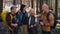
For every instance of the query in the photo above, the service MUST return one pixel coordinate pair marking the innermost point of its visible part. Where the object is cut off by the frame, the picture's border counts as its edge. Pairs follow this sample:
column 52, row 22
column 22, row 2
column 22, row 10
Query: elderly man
column 32, row 23
column 47, row 19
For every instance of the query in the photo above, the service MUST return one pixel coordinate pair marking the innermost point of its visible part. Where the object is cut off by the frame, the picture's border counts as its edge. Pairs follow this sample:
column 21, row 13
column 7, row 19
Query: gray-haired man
column 32, row 23
column 46, row 22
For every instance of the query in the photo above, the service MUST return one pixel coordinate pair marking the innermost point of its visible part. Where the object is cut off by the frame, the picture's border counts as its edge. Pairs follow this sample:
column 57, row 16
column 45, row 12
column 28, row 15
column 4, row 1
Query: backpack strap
column 11, row 16
column 8, row 14
column 48, row 15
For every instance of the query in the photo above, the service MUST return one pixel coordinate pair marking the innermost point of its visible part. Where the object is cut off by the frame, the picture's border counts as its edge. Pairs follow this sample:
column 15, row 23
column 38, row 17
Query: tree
column 37, row 6
column 20, row 1
column 14, row 2
column 1, row 6
column 41, row 3
column 32, row 1
column 56, row 7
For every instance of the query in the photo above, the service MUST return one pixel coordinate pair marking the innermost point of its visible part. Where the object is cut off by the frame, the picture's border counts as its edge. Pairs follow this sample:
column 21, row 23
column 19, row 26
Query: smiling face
column 45, row 8
column 14, row 10
column 31, row 12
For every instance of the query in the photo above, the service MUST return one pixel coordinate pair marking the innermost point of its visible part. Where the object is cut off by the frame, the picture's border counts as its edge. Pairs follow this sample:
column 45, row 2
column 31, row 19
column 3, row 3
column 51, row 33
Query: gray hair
column 45, row 5
column 31, row 10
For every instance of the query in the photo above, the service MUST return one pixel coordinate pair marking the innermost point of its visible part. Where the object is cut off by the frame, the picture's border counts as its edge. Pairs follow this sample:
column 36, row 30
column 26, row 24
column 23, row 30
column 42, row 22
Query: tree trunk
column 20, row 1
column 14, row 2
column 1, row 6
column 56, row 7
column 41, row 3
column 36, row 6
column 32, row 1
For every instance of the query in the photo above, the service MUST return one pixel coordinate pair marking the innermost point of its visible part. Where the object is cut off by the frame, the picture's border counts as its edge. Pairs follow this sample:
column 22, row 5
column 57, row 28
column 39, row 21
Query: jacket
column 32, row 22
column 20, row 16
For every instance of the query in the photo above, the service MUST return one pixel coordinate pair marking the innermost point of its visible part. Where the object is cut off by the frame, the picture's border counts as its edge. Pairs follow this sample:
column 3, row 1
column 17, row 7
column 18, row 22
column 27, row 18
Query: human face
column 14, row 10
column 31, row 12
column 24, row 9
column 45, row 8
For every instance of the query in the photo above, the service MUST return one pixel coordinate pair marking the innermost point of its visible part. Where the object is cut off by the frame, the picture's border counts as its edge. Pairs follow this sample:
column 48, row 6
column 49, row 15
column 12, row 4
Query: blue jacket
column 19, row 17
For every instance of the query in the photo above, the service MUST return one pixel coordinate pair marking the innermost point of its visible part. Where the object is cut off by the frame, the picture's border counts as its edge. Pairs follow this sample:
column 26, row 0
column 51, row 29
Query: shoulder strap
column 12, row 16
column 48, row 15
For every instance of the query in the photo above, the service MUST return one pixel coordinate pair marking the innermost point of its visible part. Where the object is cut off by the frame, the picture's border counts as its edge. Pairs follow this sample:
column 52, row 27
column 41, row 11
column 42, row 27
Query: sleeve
column 51, row 18
column 8, row 19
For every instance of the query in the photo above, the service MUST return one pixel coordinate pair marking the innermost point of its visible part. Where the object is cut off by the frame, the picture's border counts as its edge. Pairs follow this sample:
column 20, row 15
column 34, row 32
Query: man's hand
column 32, row 26
column 37, row 15
column 47, row 24
column 35, row 24
column 41, row 23
column 14, row 25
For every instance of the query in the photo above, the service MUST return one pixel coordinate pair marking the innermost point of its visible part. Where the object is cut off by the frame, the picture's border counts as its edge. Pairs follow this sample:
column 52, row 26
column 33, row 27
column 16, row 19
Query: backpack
column 55, row 20
column 3, row 16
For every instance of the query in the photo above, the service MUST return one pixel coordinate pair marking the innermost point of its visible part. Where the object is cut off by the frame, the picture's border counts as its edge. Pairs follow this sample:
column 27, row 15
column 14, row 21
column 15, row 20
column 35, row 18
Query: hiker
column 32, row 23
column 12, row 21
column 47, row 19
column 23, row 19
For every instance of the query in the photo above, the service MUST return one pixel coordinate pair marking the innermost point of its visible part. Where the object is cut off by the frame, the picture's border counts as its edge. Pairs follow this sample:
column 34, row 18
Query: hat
column 13, row 7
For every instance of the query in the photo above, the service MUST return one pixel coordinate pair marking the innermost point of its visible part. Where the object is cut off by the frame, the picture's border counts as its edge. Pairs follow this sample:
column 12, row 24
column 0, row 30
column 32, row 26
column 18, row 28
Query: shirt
column 29, row 20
